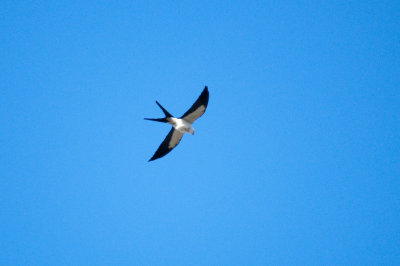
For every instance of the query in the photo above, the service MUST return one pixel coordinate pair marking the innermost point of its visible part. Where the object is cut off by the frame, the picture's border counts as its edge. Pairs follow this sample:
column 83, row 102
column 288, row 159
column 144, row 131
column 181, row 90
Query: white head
column 191, row 131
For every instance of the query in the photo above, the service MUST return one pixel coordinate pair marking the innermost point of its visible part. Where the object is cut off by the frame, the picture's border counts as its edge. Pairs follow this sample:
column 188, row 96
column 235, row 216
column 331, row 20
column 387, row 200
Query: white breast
column 181, row 125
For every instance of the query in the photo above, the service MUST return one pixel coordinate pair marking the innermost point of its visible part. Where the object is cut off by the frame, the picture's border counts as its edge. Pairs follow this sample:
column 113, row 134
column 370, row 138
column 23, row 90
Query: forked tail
column 167, row 115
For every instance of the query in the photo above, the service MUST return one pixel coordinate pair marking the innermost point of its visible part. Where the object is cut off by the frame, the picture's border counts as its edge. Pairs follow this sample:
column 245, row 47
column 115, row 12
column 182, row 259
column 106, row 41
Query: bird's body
column 180, row 125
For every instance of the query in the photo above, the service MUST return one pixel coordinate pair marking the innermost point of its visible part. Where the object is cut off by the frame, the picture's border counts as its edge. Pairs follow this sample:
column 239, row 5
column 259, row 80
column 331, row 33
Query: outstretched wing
column 173, row 138
column 198, row 108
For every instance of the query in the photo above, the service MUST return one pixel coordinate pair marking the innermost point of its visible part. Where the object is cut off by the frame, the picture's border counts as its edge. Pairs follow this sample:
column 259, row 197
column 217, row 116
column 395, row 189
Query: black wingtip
column 153, row 158
column 205, row 91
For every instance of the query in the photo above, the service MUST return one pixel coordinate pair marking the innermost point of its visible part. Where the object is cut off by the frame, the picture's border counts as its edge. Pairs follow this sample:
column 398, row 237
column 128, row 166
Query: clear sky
column 295, row 162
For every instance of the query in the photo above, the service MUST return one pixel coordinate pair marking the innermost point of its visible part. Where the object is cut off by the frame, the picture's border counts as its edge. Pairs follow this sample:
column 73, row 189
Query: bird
column 179, row 125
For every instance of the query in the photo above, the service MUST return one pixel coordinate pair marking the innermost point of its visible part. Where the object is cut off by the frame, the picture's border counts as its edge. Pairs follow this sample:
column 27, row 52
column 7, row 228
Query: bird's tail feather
column 165, row 119
column 157, row 119
column 165, row 111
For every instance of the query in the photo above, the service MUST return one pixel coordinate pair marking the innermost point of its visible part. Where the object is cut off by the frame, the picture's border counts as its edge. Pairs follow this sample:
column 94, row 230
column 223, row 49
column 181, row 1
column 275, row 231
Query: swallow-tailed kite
column 180, row 125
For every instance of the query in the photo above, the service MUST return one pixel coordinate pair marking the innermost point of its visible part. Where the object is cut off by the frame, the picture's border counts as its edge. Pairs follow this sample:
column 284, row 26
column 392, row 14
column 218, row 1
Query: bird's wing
column 198, row 108
column 173, row 138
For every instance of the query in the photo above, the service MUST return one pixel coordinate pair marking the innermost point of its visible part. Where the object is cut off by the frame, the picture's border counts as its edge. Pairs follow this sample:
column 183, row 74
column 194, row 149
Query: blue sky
column 295, row 162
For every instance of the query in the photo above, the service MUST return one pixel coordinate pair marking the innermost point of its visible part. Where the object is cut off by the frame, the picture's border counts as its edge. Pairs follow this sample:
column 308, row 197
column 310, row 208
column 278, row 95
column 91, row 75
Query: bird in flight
column 180, row 125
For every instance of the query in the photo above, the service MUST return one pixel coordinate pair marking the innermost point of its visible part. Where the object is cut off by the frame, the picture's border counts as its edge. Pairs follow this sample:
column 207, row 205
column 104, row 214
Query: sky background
column 295, row 162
